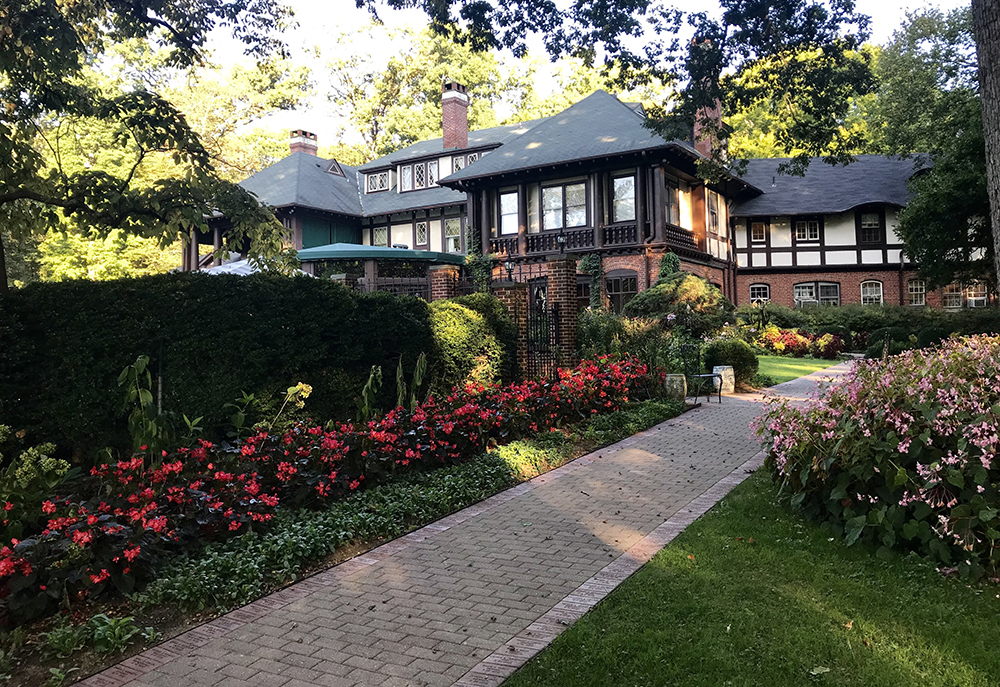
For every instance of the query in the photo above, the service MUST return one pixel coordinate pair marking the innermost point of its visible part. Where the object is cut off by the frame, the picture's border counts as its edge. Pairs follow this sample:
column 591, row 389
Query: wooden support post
column 522, row 219
column 659, row 211
column 640, row 203
column 599, row 204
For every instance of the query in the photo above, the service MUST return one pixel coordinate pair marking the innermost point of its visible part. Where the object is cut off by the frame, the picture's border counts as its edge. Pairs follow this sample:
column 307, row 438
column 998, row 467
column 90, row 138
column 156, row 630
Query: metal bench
column 698, row 380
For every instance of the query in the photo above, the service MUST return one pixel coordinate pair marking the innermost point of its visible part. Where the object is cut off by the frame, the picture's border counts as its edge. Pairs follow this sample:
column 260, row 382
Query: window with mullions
column 380, row 236
column 508, row 213
column 804, row 293
column 582, row 293
column 758, row 232
column 564, row 206
column 620, row 286
column 421, row 233
column 760, row 293
column 419, row 176
column 976, row 295
column 623, row 202
column 917, row 290
column 871, row 227
column 378, row 181
column 406, row 178
column 432, row 173
column 807, row 230
column 714, row 224
column 871, row 292
column 453, row 235
column 673, row 203
column 952, row 296
column 829, row 294
column 457, row 163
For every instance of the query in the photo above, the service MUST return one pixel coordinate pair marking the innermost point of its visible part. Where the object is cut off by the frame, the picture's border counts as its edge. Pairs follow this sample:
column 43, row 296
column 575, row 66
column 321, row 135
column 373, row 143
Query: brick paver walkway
column 468, row 599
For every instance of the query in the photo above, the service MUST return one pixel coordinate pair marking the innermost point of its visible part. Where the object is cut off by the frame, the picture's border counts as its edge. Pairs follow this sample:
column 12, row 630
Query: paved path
column 469, row 598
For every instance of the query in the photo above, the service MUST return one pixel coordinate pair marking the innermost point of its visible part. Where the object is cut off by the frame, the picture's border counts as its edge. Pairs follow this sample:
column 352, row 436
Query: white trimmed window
column 380, row 236
column 457, row 163
column 419, row 176
column 472, row 158
column 871, row 292
column 623, row 203
column 453, row 235
column 917, row 290
column 421, row 233
column 952, row 296
column 432, row 173
column 807, row 230
column 406, row 178
column 758, row 233
column 804, row 293
column 760, row 293
column 976, row 295
column 508, row 212
column 379, row 181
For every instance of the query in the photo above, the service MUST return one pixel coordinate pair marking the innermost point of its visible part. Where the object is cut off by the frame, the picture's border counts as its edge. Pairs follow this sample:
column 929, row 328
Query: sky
column 319, row 22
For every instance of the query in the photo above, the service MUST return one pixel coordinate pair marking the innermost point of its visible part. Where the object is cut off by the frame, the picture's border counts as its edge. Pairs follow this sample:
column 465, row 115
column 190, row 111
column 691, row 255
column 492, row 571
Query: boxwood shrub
column 735, row 352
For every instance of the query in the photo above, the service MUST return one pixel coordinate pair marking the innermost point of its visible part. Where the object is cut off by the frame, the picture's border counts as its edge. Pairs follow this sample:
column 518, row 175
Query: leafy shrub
column 501, row 328
column 736, row 353
column 465, row 348
column 670, row 265
column 112, row 634
column 887, row 457
column 24, row 485
column 762, row 381
column 827, row 346
column 64, row 639
column 683, row 300
column 132, row 514
column 878, row 336
column 837, row 330
column 783, row 342
column 775, row 314
column 209, row 338
column 931, row 336
column 598, row 332
column 877, row 349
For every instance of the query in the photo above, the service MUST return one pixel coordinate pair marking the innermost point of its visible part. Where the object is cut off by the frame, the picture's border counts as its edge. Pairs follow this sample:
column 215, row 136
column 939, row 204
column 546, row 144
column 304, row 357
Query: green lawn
column 753, row 594
column 786, row 369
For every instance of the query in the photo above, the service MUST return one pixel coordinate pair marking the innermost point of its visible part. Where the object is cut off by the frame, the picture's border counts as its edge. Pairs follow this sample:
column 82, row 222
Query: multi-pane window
column 976, row 295
column 419, row 176
column 871, row 293
column 804, row 293
column 807, row 230
column 917, row 290
column 432, row 173
column 952, row 296
column 673, row 203
column 582, row 293
column 380, row 236
column 829, row 294
column 871, row 227
column 453, row 235
column 406, row 178
column 760, row 293
column 758, row 232
column 564, row 206
column 713, row 212
column 421, row 233
column 379, row 181
column 457, row 163
column 623, row 204
column 472, row 157
column 620, row 287
column 508, row 213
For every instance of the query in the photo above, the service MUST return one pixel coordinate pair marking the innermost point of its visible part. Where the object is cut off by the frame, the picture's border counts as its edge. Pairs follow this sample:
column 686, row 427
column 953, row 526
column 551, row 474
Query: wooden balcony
column 622, row 235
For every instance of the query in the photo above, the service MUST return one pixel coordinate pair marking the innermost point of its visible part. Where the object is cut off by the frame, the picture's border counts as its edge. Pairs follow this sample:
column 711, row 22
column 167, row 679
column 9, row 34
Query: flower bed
column 127, row 517
column 903, row 453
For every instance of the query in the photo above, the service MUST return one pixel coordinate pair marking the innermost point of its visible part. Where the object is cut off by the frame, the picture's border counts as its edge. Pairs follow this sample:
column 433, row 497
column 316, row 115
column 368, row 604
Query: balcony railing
column 505, row 245
column 621, row 234
column 679, row 237
column 548, row 242
column 583, row 239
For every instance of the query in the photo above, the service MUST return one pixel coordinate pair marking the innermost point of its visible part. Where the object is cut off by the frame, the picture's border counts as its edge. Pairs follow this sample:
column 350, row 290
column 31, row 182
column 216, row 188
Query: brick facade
column 562, row 290
column 894, row 288
column 514, row 296
column 444, row 281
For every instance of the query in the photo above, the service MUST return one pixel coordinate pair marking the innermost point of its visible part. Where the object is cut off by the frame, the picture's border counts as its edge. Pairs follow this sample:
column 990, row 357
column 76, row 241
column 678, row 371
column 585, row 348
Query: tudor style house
column 594, row 179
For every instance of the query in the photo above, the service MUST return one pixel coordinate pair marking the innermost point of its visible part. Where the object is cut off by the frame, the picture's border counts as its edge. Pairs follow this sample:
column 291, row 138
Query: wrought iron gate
column 543, row 332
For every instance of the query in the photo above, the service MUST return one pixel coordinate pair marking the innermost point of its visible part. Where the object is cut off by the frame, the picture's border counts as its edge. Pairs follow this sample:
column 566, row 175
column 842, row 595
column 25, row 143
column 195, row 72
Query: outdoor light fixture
column 561, row 240
column 509, row 266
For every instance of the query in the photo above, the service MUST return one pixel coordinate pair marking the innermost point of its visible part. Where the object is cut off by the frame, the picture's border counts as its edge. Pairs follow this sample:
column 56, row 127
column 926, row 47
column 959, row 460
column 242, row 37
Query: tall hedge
column 474, row 342
column 209, row 338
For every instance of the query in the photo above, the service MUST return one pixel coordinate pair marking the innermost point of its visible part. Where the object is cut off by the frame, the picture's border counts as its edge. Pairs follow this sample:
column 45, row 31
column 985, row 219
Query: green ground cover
column 754, row 594
column 783, row 369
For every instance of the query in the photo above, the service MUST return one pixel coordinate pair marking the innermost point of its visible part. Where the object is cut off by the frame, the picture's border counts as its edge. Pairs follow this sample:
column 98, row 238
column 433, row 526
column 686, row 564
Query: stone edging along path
column 468, row 599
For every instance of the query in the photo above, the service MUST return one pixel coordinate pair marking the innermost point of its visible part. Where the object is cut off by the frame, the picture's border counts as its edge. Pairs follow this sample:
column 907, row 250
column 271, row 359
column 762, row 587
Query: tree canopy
column 47, row 89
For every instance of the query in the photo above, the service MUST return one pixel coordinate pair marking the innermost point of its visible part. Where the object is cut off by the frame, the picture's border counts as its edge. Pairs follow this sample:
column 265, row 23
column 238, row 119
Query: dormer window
column 458, row 162
column 432, row 173
column 473, row 157
column 807, row 230
column 406, row 178
column 378, row 181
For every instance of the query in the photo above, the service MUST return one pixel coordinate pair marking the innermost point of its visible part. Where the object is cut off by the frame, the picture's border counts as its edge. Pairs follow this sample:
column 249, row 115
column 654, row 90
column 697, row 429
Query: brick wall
column 444, row 280
column 850, row 286
column 514, row 296
column 562, row 290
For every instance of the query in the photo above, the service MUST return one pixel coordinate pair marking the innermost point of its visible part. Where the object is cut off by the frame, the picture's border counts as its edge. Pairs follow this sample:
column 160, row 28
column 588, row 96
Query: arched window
column 917, row 290
column 871, row 292
column 621, row 286
column 760, row 293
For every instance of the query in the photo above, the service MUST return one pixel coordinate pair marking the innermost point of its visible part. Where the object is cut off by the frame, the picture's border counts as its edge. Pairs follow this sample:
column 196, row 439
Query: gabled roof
column 827, row 188
column 599, row 125
column 302, row 179
column 477, row 139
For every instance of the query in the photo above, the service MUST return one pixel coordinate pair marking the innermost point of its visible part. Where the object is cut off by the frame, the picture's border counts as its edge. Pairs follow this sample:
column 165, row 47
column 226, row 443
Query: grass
column 783, row 369
column 753, row 594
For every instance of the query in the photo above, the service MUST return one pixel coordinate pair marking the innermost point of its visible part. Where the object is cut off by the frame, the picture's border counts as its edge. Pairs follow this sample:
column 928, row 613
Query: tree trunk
column 986, row 24
column 4, row 288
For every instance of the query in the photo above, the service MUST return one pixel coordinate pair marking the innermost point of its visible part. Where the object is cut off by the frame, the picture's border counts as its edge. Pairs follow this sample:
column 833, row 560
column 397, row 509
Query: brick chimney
column 455, row 115
column 303, row 141
column 707, row 124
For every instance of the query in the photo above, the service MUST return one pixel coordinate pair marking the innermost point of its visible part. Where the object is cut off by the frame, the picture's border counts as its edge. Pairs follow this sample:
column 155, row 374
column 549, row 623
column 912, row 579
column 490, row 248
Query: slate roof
column 477, row 139
column 826, row 188
column 302, row 179
column 599, row 125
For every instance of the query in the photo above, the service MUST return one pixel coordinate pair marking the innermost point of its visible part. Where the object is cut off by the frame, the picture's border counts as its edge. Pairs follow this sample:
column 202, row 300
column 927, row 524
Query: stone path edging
column 501, row 664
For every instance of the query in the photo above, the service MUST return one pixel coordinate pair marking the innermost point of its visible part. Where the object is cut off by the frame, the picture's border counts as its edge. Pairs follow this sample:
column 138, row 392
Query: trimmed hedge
column 209, row 338
column 735, row 352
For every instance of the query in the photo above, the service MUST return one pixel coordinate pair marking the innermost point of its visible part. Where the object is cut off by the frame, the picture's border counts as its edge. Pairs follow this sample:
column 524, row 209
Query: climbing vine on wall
column 591, row 264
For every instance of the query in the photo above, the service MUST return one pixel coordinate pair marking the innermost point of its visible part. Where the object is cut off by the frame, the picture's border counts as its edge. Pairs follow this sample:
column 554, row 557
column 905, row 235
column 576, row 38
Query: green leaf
column 854, row 527
column 987, row 514
column 957, row 478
